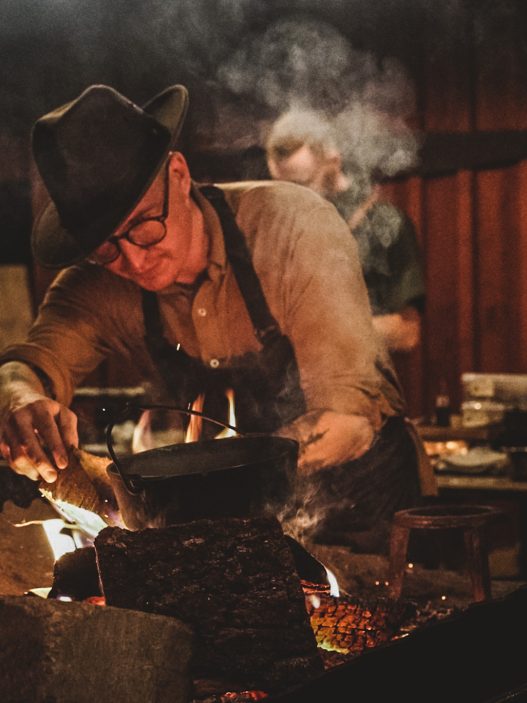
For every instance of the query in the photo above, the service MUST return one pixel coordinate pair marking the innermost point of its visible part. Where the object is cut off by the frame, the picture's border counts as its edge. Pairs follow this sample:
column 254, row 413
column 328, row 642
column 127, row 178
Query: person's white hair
column 296, row 128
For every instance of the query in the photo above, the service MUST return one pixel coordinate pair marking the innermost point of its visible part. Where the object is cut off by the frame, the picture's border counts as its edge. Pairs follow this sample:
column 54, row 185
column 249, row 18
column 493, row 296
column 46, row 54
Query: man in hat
column 302, row 147
column 250, row 286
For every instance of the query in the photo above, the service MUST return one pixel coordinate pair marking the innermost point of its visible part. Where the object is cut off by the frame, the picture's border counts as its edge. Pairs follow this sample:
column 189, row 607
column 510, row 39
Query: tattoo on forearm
column 305, row 430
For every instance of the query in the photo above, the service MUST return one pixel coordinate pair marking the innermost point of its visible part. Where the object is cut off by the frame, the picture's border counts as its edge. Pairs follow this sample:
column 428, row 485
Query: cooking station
column 227, row 606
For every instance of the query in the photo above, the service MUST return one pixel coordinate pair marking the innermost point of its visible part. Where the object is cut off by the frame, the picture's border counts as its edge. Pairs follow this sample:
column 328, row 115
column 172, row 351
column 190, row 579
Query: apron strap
column 154, row 337
column 238, row 254
column 427, row 477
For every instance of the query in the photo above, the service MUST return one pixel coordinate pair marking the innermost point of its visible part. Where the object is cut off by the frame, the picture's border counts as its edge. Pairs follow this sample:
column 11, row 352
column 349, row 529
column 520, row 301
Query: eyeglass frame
column 114, row 238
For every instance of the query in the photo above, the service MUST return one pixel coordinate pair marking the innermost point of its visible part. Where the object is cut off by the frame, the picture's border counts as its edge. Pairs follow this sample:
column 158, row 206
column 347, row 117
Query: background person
column 302, row 147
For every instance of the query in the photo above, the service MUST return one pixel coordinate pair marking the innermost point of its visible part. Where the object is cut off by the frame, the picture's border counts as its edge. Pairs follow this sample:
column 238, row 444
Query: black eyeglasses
column 144, row 233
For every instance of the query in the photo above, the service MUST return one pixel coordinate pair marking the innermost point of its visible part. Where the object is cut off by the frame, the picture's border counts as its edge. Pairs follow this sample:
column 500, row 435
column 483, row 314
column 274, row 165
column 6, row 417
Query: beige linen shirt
column 311, row 277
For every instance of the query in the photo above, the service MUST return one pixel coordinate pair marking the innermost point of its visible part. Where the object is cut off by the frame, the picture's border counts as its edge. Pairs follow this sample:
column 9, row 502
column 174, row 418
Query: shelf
column 444, row 434
column 480, row 483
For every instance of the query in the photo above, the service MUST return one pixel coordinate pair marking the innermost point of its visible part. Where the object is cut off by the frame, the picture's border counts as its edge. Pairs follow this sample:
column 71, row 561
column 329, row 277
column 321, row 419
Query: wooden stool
column 472, row 519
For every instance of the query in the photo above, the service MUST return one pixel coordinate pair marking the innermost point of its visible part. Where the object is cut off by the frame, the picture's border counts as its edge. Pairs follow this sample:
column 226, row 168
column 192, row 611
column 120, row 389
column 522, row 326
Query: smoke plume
column 302, row 64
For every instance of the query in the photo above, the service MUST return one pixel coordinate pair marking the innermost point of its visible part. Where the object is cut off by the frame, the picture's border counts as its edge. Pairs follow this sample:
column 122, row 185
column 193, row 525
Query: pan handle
column 132, row 486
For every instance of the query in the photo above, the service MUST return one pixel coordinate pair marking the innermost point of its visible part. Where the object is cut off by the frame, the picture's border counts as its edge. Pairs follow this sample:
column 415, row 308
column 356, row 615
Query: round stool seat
column 472, row 519
column 441, row 517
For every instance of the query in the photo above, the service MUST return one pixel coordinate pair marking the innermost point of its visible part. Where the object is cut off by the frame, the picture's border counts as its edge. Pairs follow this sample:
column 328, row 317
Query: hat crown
column 97, row 156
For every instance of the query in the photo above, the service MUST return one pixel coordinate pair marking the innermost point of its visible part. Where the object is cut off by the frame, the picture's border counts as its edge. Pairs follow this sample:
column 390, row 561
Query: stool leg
column 478, row 562
column 398, row 550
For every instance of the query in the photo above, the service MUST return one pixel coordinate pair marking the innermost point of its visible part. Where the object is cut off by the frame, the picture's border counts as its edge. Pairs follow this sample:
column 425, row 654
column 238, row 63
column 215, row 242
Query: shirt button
column 214, row 363
column 202, row 312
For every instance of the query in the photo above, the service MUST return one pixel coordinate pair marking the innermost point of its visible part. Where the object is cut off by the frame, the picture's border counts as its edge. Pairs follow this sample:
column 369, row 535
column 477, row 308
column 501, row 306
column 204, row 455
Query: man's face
column 307, row 169
column 159, row 265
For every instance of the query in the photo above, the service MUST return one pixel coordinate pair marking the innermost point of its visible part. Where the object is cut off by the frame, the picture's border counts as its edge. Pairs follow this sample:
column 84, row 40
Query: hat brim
column 53, row 246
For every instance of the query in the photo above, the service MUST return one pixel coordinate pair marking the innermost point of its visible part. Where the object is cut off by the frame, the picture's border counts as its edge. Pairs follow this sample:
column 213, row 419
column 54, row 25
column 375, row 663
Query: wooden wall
column 472, row 224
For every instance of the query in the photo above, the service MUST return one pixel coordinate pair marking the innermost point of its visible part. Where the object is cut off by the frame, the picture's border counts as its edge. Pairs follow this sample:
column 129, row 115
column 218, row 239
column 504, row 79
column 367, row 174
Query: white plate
column 477, row 459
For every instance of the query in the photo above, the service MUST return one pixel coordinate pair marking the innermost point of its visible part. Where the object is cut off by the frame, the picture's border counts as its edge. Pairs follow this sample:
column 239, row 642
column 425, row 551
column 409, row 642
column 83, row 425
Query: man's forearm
column 401, row 331
column 17, row 377
column 327, row 438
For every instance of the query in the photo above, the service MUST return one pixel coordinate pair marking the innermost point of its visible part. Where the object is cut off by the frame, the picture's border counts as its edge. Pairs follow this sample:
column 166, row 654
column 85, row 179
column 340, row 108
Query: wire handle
column 130, row 484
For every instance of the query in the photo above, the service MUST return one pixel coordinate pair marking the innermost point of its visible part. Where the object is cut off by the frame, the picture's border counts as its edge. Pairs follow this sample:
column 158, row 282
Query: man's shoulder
column 87, row 280
column 276, row 194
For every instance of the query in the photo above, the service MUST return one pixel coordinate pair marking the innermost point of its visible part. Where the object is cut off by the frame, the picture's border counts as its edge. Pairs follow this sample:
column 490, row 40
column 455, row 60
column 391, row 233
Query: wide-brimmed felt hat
column 97, row 156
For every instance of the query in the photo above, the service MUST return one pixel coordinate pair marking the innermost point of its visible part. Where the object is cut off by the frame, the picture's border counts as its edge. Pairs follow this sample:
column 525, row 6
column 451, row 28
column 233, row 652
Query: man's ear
column 334, row 159
column 178, row 167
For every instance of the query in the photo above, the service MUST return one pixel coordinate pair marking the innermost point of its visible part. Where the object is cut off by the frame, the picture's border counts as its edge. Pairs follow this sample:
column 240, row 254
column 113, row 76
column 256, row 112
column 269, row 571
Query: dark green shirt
column 389, row 255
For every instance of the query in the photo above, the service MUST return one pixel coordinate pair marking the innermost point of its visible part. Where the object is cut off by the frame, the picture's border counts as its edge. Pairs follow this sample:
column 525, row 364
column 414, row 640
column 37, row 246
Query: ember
column 349, row 625
column 236, row 697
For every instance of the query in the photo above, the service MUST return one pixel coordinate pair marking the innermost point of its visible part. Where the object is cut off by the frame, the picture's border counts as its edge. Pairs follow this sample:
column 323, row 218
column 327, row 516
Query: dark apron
column 357, row 497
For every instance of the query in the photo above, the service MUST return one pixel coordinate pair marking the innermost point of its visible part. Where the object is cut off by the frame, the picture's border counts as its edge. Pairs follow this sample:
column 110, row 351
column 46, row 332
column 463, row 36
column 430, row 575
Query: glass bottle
column 443, row 407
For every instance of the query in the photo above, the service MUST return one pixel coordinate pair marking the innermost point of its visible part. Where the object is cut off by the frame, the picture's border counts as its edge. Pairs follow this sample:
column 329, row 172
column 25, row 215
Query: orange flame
column 196, row 422
column 227, row 432
column 143, row 437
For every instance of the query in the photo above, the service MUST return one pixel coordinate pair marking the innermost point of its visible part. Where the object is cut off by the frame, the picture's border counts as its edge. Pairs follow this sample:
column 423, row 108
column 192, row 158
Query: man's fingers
column 36, row 432
column 26, row 470
column 26, row 467
column 67, row 423
column 28, row 456
column 15, row 454
column 50, row 437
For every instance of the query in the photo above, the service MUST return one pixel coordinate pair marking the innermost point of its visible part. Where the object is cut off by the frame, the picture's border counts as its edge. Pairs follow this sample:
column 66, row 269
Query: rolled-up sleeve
column 72, row 333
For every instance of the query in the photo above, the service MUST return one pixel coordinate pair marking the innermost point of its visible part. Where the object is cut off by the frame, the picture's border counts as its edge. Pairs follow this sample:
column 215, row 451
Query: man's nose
column 132, row 256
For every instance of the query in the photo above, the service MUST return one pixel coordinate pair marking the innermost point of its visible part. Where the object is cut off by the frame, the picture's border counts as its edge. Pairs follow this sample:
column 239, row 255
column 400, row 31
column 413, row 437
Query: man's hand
column 328, row 438
column 35, row 431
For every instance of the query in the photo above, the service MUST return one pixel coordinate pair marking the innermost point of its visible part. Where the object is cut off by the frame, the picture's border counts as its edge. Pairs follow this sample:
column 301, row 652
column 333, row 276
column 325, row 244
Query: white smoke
column 302, row 518
column 302, row 64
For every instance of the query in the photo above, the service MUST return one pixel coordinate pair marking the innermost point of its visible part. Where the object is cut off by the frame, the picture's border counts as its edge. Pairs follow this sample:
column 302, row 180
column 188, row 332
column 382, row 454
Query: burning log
column 64, row 652
column 234, row 581
column 75, row 575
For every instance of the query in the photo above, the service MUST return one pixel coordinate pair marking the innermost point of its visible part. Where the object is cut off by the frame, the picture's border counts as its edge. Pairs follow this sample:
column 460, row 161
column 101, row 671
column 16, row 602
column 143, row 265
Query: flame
column 142, row 434
column 66, row 536
column 195, row 422
column 227, row 432
column 314, row 600
column 59, row 542
column 144, row 437
column 334, row 589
